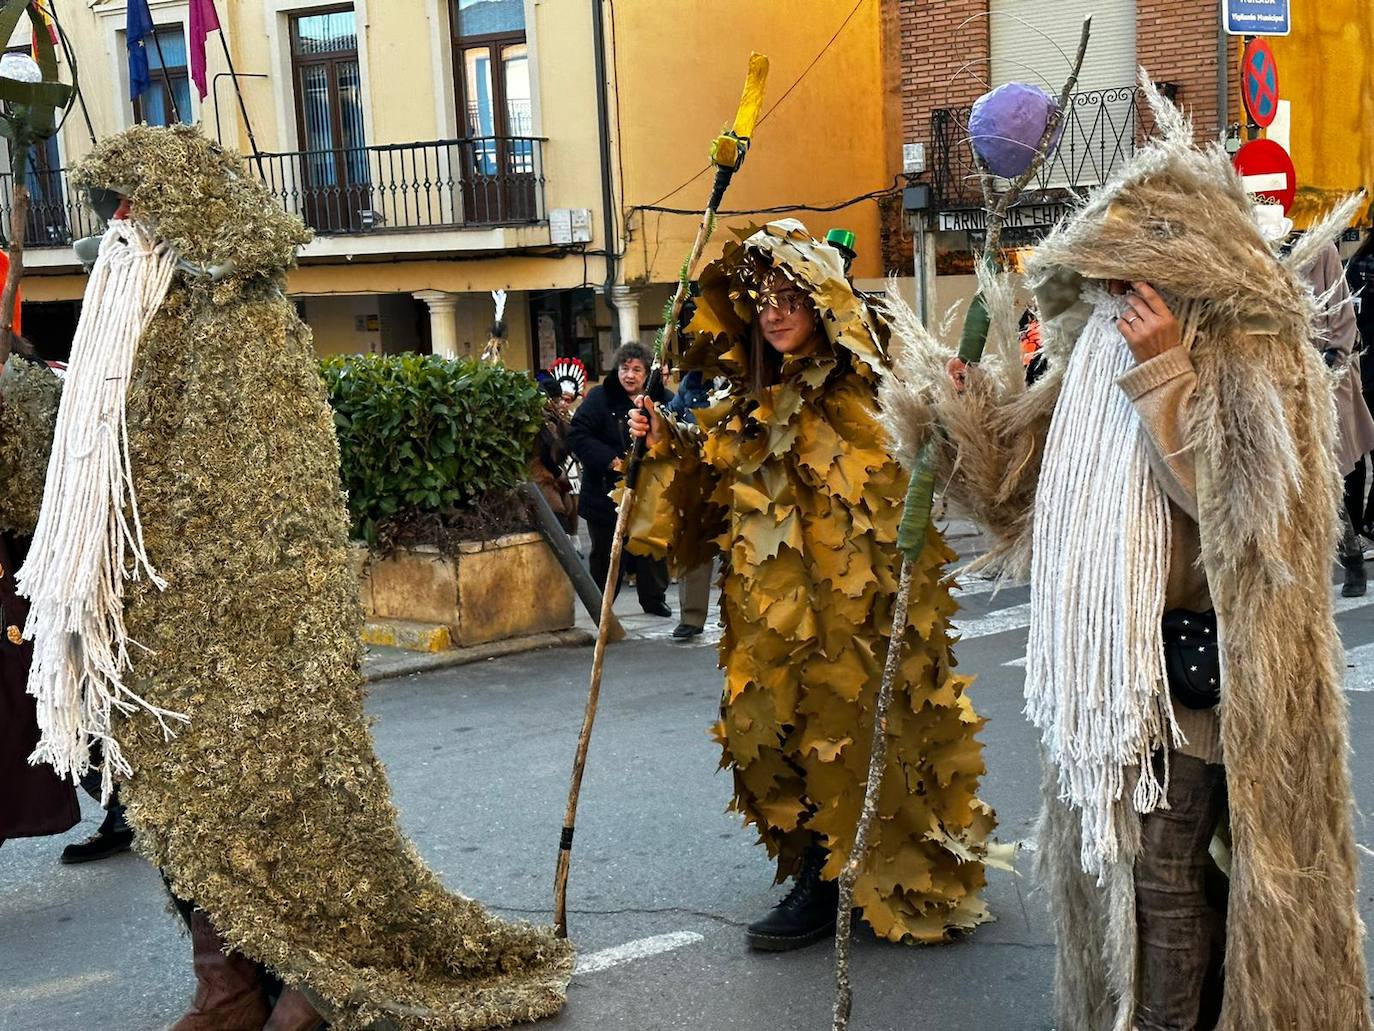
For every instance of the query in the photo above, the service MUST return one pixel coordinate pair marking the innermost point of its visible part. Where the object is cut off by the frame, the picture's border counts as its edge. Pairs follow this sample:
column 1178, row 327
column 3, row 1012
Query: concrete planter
column 508, row 587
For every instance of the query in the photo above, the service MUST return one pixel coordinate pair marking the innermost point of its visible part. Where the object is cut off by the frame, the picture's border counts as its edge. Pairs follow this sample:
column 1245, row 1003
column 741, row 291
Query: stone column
column 626, row 303
column 443, row 321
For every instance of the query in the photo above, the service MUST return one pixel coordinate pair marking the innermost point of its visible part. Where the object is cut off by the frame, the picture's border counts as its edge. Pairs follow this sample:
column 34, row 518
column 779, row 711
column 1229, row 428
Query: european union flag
column 138, row 28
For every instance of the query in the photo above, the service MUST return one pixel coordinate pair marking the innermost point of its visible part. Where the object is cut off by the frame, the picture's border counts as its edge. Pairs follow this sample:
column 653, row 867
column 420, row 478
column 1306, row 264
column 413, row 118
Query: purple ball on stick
column 1006, row 125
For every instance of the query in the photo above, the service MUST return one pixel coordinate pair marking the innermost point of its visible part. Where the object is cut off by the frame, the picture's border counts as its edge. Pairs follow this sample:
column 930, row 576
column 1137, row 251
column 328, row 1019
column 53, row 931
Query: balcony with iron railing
column 390, row 188
column 1102, row 130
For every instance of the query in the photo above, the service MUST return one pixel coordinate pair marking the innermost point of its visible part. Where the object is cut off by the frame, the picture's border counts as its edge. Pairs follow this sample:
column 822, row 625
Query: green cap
column 841, row 238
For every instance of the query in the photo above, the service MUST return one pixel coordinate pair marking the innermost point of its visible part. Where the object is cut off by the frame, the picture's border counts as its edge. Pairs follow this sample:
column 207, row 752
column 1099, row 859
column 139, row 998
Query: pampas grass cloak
column 270, row 810
column 1261, row 434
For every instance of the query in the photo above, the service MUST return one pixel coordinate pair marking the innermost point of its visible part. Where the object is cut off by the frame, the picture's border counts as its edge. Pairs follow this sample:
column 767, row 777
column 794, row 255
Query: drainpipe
column 603, row 121
column 1223, row 70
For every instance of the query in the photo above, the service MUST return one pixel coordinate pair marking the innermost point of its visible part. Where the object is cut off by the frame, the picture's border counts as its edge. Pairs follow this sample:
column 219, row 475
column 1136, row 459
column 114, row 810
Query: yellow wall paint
column 1326, row 71
column 681, row 66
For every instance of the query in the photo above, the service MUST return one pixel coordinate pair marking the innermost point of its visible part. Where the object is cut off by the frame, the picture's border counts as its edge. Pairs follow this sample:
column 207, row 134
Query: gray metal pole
column 1223, row 74
column 582, row 581
column 922, row 284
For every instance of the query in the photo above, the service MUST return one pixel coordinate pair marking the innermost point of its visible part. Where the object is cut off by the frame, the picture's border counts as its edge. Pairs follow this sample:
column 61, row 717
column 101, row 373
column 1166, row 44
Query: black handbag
column 1192, row 660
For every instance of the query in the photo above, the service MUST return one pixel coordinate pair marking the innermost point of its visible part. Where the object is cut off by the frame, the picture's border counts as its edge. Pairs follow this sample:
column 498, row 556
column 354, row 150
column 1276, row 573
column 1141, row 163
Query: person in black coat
column 1359, row 276
column 599, row 437
column 35, row 801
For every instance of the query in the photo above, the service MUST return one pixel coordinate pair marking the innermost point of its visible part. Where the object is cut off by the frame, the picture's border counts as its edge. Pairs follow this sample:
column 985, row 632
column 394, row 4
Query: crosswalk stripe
column 1359, row 673
column 641, row 948
column 999, row 621
column 971, row 586
column 1359, row 660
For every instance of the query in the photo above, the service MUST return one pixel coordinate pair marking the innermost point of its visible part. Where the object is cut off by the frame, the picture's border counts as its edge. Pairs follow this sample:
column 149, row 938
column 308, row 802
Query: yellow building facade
column 444, row 149
column 1326, row 76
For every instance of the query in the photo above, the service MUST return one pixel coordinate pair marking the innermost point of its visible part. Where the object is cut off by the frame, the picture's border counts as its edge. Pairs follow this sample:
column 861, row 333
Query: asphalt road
column 663, row 879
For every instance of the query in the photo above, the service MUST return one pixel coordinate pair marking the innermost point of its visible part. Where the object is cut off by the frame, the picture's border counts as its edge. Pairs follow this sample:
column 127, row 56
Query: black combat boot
column 113, row 837
column 1355, row 580
column 806, row 915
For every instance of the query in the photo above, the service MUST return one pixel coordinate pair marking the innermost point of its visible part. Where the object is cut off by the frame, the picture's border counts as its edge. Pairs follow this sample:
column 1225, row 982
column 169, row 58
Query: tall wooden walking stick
column 911, row 538
column 727, row 154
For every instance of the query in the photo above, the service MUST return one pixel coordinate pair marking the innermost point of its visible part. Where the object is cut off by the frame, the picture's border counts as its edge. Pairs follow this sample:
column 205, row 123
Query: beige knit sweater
column 1161, row 389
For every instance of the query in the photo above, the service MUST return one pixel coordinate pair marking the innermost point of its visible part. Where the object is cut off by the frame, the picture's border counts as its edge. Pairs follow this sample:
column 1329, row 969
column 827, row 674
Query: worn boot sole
column 777, row 943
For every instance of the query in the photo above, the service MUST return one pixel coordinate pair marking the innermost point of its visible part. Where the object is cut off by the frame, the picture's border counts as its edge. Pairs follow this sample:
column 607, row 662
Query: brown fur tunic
column 1261, row 431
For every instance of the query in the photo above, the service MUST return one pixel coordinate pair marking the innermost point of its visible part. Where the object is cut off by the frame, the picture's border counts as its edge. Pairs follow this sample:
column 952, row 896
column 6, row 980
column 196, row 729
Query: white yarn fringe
column 1095, row 679
column 89, row 537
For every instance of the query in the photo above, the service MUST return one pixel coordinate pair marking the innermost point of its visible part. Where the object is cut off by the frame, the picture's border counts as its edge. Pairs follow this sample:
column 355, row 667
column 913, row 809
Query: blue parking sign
column 1257, row 17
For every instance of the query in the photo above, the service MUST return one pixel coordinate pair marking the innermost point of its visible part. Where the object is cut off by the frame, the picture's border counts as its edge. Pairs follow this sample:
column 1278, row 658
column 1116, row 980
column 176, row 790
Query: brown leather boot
column 293, row 1012
column 229, row 994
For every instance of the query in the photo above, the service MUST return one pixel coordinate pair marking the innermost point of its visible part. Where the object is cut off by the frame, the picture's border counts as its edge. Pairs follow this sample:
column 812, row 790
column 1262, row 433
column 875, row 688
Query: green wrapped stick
column 975, row 335
column 920, row 500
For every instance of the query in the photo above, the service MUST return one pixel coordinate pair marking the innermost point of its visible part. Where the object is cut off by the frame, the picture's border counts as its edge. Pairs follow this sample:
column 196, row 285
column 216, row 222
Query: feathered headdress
column 571, row 375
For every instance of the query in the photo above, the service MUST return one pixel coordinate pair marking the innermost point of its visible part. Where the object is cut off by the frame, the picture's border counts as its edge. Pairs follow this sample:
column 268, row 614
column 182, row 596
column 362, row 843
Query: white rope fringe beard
column 1095, row 683
column 78, row 561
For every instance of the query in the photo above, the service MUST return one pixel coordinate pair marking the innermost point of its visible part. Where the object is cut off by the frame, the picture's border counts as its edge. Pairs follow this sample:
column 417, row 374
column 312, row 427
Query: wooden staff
column 19, row 220
column 911, row 540
column 727, row 154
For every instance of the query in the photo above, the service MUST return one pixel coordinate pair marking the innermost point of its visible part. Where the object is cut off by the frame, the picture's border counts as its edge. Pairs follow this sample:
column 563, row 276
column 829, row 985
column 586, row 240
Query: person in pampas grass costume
column 1169, row 486
column 194, row 451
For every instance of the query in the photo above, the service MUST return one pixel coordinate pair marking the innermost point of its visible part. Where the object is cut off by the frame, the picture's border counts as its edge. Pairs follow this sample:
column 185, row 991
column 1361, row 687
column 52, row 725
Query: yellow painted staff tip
column 751, row 102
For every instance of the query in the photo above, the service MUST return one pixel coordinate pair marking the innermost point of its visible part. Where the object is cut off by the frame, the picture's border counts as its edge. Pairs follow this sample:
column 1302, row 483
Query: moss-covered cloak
column 29, row 396
column 270, row 809
column 798, row 492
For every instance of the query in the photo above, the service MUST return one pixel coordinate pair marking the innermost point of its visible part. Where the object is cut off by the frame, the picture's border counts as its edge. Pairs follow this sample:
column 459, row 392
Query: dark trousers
column 1180, row 933
column 1356, row 507
column 114, row 821
column 651, row 575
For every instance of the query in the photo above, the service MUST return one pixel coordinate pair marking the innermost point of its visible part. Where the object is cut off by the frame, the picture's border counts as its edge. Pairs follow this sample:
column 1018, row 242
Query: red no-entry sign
column 1260, row 82
column 1268, row 171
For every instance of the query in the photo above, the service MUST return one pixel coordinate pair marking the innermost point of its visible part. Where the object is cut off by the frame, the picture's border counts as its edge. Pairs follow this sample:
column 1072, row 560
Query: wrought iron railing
column 1102, row 129
column 445, row 184
column 57, row 212
column 409, row 187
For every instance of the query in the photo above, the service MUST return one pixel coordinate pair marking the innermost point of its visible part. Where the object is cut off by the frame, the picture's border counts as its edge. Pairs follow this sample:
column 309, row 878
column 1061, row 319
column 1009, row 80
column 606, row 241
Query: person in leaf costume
column 267, row 809
column 790, row 479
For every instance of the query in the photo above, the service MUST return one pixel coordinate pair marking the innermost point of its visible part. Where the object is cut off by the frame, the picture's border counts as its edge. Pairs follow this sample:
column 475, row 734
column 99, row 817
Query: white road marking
column 977, row 585
column 1359, row 674
column 1364, row 681
column 1013, row 617
column 45, row 991
column 1347, row 604
column 631, row 951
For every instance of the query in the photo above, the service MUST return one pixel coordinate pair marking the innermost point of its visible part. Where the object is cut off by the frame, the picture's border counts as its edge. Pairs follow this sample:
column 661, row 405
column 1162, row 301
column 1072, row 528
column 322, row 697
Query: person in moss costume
column 268, row 809
column 790, row 478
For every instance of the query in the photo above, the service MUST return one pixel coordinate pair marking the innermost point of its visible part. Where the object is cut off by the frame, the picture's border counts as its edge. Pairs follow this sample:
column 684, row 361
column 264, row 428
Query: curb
column 378, row 671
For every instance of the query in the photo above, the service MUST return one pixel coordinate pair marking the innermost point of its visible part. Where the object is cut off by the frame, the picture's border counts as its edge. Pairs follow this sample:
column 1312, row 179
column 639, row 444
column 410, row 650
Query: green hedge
column 420, row 434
